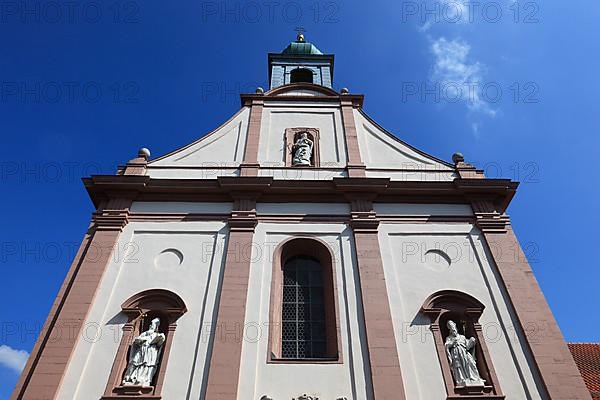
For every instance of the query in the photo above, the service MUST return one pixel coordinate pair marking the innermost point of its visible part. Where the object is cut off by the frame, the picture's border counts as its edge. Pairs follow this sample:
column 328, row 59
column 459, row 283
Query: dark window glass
column 301, row 75
column 303, row 311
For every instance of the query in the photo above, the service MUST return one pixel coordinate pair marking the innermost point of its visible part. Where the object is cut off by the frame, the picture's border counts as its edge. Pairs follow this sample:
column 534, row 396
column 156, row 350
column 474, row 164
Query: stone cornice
column 361, row 186
column 238, row 185
column 497, row 192
column 356, row 100
column 327, row 95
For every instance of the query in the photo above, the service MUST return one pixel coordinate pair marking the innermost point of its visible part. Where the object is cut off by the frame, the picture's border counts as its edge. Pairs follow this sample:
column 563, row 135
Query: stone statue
column 302, row 150
column 460, row 352
column 143, row 356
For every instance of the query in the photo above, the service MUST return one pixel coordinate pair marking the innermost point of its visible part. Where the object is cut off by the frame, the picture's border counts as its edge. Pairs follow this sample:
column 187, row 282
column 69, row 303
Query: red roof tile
column 587, row 358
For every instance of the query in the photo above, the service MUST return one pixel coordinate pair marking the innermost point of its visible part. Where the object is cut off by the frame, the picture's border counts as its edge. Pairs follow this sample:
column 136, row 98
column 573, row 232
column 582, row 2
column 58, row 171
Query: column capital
column 240, row 223
column 492, row 222
column 110, row 220
column 487, row 218
column 366, row 222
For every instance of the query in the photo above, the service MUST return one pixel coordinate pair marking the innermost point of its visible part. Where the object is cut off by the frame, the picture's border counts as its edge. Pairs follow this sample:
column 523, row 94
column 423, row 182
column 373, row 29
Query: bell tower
column 300, row 61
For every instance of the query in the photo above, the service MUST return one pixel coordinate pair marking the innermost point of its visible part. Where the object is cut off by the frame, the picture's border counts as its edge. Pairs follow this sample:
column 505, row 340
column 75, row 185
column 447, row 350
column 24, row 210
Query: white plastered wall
column 413, row 273
column 221, row 152
column 386, row 157
column 218, row 153
column 278, row 116
column 140, row 262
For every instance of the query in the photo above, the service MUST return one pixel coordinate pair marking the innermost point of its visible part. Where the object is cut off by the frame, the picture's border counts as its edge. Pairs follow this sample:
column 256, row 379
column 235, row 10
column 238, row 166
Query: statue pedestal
column 132, row 392
column 471, row 389
column 133, row 389
column 475, row 392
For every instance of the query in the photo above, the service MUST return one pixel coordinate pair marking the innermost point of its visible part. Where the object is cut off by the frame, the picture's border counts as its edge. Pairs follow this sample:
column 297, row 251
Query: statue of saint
column 302, row 150
column 143, row 356
column 460, row 352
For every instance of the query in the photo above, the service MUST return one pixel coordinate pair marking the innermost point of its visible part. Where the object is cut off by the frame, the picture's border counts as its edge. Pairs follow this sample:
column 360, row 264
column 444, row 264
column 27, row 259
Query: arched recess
column 299, row 248
column 301, row 75
column 140, row 309
column 465, row 310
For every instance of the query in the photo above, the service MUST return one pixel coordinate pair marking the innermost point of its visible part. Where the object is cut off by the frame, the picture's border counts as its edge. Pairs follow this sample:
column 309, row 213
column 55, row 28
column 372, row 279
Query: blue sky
column 83, row 87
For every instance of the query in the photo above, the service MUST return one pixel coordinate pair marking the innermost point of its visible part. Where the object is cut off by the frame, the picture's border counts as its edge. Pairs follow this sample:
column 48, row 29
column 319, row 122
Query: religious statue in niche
column 461, row 355
column 143, row 356
column 302, row 150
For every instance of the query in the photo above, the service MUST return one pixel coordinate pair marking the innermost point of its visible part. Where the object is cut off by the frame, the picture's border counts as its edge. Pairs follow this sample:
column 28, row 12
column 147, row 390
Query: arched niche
column 465, row 310
column 140, row 309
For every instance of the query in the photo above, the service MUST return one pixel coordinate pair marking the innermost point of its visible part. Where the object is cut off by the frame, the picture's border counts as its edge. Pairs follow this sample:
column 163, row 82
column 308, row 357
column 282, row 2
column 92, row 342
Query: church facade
column 300, row 251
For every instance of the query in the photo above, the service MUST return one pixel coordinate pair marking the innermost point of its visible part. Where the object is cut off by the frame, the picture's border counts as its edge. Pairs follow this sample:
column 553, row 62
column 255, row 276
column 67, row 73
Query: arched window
column 140, row 310
column 464, row 311
column 301, row 75
column 304, row 324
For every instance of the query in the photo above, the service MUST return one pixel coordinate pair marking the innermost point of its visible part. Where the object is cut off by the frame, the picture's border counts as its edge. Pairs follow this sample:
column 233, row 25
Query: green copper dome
column 300, row 62
column 300, row 47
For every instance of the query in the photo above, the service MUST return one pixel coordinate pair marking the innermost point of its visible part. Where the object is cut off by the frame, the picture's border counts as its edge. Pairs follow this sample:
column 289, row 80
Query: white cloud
column 12, row 358
column 425, row 27
column 459, row 79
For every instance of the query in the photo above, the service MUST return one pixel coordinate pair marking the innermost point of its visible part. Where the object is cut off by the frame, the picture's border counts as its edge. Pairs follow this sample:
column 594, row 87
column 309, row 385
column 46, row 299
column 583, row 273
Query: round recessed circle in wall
column 169, row 258
column 437, row 260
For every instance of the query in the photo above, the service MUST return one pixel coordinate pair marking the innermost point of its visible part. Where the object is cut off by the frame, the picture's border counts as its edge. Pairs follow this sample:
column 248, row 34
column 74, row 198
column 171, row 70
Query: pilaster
column 228, row 333
column 557, row 370
column 50, row 356
column 250, row 165
column 384, row 365
column 355, row 166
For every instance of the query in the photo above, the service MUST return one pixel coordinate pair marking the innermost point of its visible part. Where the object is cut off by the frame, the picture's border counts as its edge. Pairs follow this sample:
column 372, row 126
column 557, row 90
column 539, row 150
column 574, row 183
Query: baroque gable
column 297, row 107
